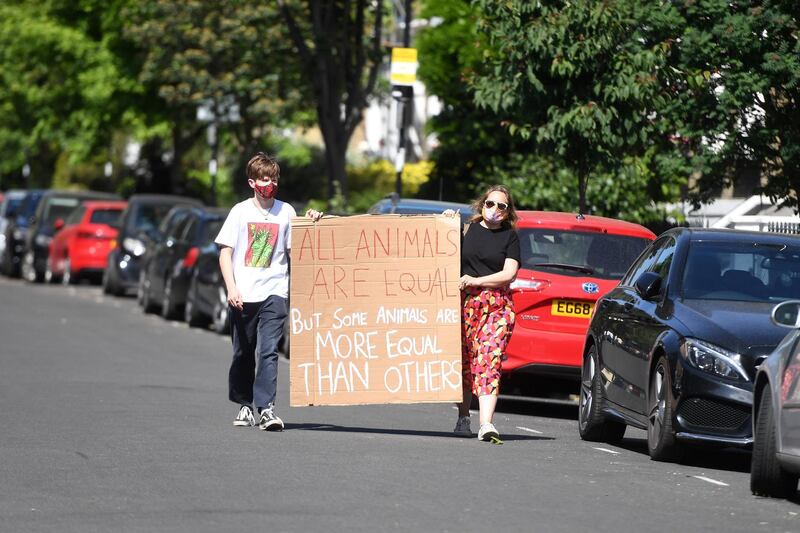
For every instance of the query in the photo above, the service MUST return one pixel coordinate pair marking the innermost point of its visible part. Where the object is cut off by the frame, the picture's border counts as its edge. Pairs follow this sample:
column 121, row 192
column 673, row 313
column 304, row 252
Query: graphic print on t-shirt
column 261, row 240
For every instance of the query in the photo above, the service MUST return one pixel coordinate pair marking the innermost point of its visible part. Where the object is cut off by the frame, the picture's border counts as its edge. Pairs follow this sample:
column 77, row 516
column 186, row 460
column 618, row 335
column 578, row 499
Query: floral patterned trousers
column 487, row 322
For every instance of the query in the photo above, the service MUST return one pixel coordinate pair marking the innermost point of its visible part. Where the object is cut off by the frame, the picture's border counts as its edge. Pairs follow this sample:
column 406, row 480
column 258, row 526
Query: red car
column 568, row 262
column 83, row 241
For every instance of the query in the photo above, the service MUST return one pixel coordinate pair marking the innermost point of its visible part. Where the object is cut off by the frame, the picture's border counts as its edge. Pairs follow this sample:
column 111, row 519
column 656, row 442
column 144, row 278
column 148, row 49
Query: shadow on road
column 729, row 459
column 538, row 407
column 448, row 434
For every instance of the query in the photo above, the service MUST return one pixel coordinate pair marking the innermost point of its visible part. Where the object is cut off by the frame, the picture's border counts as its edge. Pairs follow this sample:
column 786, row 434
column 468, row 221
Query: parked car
column 393, row 204
column 16, row 232
column 673, row 349
column 54, row 205
column 568, row 261
column 81, row 245
column 207, row 297
column 776, row 411
column 168, row 267
column 137, row 227
column 9, row 205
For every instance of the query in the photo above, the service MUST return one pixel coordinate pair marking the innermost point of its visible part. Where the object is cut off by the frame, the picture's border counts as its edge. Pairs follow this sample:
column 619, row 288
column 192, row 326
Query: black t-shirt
column 484, row 251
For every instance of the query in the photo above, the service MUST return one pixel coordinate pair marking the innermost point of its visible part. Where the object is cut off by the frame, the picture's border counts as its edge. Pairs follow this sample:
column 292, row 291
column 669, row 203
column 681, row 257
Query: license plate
column 571, row 308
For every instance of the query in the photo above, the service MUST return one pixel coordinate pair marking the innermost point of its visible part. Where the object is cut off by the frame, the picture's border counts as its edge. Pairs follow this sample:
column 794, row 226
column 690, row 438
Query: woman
column 490, row 258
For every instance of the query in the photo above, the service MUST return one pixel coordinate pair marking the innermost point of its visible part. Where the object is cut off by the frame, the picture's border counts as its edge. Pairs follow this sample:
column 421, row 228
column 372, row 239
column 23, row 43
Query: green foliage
column 579, row 78
column 57, row 87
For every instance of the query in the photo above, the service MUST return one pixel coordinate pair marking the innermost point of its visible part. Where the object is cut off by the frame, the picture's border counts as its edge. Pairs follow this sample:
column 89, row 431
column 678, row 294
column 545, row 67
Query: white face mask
column 493, row 215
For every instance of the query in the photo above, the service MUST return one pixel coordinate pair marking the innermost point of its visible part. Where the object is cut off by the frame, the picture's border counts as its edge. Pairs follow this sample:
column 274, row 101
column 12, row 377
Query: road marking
column 613, row 452
column 529, row 430
column 714, row 481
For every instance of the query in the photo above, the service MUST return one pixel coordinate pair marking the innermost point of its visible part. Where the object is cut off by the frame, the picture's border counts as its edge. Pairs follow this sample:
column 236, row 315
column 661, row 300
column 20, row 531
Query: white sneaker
column 488, row 432
column 462, row 427
column 245, row 417
column 269, row 421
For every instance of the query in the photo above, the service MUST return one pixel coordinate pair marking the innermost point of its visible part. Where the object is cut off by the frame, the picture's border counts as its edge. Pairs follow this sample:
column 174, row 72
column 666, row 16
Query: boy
column 254, row 259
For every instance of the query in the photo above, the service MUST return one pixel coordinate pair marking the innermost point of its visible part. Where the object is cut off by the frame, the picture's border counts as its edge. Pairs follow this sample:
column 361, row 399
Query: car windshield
column 105, row 216
column 148, row 217
column 579, row 253
column 58, row 208
column 742, row 271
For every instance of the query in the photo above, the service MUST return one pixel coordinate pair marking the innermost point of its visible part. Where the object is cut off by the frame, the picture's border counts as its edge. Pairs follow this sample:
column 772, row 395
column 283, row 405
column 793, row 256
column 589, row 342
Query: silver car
column 776, row 412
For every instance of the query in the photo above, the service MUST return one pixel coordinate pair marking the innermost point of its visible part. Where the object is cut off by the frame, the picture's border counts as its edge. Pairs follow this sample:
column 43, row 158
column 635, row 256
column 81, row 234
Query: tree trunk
column 335, row 156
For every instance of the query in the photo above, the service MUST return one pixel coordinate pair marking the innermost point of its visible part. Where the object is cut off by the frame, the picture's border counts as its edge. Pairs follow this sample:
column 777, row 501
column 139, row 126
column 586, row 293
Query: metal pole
column 404, row 103
column 212, row 164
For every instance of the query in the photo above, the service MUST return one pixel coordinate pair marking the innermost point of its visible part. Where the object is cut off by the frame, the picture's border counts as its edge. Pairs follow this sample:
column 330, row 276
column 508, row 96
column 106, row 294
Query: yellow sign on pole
column 404, row 66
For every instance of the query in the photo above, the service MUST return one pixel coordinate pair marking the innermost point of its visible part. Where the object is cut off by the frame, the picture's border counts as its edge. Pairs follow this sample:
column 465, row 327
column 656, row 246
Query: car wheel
column 660, row 438
column 592, row 423
column 7, row 263
column 283, row 346
column 221, row 319
column 145, row 300
column 69, row 277
column 191, row 315
column 49, row 276
column 110, row 284
column 168, row 310
column 29, row 273
column 767, row 477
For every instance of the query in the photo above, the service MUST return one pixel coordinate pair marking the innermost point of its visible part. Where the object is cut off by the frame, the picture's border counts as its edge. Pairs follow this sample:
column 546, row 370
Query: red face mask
column 266, row 191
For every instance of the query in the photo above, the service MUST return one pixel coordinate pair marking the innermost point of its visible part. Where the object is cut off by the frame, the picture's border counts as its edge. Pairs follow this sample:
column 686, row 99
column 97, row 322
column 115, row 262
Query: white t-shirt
column 260, row 248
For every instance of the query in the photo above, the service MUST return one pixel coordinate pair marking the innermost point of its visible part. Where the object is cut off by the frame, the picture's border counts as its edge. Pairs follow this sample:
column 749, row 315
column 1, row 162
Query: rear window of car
column 211, row 230
column 579, row 253
column 148, row 217
column 741, row 271
column 58, row 208
column 10, row 206
column 105, row 216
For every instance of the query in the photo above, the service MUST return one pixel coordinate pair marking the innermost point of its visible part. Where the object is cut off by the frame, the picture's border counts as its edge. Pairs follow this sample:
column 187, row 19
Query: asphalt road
column 116, row 421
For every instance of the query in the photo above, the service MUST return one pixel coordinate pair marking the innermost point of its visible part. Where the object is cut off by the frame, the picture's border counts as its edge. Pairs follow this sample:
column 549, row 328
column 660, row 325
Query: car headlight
column 43, row 240
column 713, row 359
column 134, row 246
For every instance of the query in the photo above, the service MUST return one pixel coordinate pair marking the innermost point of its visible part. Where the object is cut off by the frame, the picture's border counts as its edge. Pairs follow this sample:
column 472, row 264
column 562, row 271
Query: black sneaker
column 270, row 422
column 245, row 417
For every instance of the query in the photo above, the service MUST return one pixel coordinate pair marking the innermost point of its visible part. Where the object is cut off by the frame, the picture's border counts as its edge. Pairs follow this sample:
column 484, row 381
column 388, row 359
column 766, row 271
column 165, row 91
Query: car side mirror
column 787, row 314
column 58, row 224
column 648, row 285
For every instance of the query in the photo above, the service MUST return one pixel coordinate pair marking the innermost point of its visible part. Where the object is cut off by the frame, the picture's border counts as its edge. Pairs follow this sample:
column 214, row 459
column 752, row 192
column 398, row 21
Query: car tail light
column 535, row 285
column 191, row 257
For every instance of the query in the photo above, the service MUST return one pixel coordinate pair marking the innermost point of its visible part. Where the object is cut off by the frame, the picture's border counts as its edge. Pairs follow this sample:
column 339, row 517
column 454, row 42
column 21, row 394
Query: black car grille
column 712, row 414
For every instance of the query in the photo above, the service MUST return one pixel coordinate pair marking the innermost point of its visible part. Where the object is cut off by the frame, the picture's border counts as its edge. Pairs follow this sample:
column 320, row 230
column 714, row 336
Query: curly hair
column 511, row 212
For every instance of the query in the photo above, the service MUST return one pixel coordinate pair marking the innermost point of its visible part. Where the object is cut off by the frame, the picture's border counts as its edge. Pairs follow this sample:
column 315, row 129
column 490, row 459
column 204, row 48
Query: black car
column 673, row 349
column 54, row 205
column 138, row 226
column 207, row 298
column 15, row 231
column 170, row 263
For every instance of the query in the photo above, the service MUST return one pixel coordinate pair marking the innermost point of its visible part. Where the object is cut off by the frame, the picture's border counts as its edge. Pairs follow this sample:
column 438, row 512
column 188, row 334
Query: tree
column 580, row 78
column 57, row 85
column 227, row 55
column 338, row 44
column 735, row 94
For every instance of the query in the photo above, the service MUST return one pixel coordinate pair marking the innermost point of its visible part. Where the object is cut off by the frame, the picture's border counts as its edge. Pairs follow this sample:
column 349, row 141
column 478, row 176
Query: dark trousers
column 255, row 333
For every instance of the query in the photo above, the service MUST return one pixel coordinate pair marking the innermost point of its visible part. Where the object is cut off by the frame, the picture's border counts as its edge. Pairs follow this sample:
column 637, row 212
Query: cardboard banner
column 375, row 310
